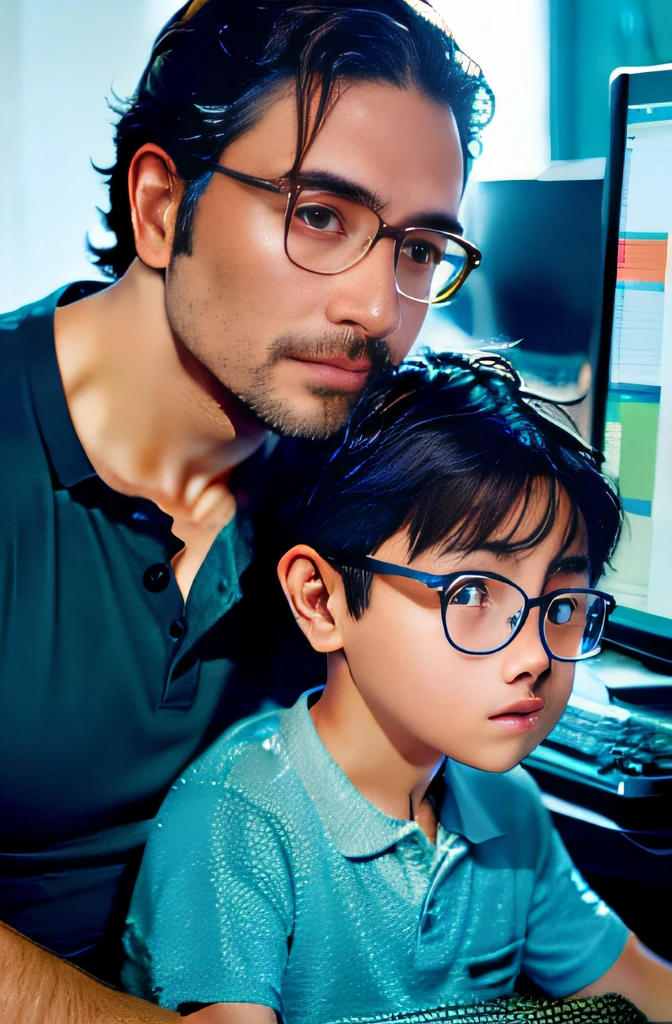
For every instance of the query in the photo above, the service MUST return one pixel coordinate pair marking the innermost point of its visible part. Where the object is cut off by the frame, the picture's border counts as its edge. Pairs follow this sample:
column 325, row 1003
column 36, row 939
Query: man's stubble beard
column 260, row 399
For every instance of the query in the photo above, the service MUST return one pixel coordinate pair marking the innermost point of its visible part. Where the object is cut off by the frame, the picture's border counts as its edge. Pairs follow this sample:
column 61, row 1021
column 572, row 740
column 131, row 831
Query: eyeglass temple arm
column 368, row 564
column 247, row 179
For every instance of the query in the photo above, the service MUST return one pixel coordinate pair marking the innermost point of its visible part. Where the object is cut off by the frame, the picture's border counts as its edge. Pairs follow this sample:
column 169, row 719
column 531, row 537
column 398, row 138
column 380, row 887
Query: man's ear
column 309, row 582
column 155, row 191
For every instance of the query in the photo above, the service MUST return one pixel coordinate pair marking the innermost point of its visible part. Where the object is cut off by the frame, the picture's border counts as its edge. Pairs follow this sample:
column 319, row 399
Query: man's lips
column 340, row 362
column 528, row 706
column 339, row 372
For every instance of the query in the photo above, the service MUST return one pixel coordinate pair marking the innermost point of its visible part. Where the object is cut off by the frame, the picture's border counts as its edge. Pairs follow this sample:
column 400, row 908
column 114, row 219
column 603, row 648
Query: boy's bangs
column 501, row 515
column 452, row 453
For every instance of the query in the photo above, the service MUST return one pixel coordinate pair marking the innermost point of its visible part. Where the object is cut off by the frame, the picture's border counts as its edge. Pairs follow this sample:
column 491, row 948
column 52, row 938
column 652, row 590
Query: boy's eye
column 472, row 594
column 561, row 611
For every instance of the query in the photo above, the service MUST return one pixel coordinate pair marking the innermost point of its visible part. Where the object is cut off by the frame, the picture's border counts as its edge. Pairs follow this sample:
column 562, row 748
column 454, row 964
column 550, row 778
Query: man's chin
column 314, row 417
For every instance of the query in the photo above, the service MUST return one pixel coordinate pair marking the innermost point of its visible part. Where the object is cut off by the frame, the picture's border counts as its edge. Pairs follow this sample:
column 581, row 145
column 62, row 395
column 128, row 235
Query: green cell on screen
column 638, row 438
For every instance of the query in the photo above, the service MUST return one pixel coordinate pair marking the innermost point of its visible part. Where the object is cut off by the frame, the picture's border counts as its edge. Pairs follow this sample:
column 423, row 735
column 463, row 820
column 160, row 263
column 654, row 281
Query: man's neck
column 152, row 420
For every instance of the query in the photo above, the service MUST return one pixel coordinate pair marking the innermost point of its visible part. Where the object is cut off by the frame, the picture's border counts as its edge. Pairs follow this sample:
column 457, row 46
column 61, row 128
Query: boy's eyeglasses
column 483, row 612
column 327, row 233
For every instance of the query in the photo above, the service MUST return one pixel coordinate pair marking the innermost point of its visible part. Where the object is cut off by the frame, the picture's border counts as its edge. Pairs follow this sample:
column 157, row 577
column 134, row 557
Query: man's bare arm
column 37, row 987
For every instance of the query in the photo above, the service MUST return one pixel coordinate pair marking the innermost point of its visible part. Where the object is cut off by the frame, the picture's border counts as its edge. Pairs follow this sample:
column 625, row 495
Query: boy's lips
column 527, row 706
column 523, row 716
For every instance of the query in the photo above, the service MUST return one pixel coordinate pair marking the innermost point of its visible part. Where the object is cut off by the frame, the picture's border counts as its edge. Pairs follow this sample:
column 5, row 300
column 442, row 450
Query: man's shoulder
column 27, row 331
column 21, row 319
column 21, row 333
column 18, row 320
column 250, row 761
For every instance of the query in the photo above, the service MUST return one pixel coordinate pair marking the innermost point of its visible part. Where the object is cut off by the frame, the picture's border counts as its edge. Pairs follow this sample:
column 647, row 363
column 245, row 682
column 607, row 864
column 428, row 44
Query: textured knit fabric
column 270, row 879
column 608, row 1009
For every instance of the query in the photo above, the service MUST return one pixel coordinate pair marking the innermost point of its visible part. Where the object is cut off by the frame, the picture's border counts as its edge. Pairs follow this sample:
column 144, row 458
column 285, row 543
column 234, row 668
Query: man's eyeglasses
column 483, row 612
column 327, row 233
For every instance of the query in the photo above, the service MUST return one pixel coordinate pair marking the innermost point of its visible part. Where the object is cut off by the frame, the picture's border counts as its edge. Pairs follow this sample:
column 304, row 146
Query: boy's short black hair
column 216, row 63
column 445, row 447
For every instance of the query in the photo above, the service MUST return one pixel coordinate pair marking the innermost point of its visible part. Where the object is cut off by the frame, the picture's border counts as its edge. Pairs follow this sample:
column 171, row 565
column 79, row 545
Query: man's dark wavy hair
column 453, row 449
column 216, row 62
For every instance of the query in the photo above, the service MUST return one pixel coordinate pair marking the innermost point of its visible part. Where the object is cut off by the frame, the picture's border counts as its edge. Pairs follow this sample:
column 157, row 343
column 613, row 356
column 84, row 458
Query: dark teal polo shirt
column 109, row 684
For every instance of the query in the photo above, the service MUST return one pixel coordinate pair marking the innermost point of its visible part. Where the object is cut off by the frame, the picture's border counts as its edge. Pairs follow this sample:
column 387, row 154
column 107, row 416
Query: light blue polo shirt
column 270, row 879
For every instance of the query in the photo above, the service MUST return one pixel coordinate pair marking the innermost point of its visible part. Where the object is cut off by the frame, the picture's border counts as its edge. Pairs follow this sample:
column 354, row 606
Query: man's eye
column 321, row 218
column 422, row 253
column 473, row 595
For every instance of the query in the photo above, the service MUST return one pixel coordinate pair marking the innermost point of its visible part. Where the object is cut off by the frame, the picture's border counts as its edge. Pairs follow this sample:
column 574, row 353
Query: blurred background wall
column 589, row 38
column 58, row 63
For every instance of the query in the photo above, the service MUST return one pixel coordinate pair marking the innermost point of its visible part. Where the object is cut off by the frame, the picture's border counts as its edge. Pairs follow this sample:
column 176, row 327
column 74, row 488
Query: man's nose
column 366, row 296
column 526, row 654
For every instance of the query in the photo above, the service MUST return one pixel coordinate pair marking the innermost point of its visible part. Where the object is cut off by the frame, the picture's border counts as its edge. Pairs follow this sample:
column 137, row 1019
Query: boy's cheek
column 556, row 692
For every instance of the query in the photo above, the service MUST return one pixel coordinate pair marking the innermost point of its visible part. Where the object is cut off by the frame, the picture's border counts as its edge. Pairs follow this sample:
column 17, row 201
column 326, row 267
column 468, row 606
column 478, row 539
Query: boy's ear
column 309, row 582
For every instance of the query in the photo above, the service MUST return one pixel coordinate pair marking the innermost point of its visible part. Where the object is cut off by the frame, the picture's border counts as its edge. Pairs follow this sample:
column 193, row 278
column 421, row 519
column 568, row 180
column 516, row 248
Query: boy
column 362, row 853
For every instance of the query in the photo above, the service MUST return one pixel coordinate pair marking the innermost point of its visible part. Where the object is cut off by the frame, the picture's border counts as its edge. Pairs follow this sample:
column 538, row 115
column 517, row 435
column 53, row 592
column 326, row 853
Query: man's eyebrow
column 330, row 182
column 438, row 219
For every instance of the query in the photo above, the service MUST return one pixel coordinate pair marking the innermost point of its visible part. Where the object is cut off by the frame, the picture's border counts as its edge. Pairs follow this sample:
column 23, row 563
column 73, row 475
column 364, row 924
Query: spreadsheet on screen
column 638, row 428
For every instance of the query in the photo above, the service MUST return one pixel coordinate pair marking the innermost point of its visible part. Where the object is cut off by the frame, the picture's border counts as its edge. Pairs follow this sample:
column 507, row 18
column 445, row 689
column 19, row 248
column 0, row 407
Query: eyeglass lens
column 481, row 614
column 328, row 233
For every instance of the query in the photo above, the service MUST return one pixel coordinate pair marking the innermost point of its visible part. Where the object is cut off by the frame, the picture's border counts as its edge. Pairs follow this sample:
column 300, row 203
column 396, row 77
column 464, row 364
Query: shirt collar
column 469, row 795
column 356, row 828
column 68, row 459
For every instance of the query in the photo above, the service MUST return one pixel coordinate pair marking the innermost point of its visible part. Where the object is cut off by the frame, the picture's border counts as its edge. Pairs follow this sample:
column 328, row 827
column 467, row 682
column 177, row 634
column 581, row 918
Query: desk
column 606, row 775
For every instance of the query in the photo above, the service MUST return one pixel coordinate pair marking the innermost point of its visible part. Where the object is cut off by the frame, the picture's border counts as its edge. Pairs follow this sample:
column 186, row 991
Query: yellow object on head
column 193, row 9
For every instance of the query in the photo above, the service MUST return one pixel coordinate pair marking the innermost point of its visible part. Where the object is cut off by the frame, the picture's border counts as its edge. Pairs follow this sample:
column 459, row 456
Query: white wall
column 510, row 41
column 59, row 59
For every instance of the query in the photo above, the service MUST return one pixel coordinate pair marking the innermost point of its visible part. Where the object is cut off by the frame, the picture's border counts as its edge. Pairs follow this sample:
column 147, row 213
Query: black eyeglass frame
column 293, row 193
column 445, row 583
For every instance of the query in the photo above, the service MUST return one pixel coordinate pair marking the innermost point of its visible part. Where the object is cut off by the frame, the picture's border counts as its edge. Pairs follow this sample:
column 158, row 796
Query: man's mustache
column 348, row 345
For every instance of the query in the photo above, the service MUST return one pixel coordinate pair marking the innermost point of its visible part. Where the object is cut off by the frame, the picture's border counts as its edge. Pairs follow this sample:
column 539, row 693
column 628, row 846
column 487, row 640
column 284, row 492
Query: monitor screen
column 636, row 372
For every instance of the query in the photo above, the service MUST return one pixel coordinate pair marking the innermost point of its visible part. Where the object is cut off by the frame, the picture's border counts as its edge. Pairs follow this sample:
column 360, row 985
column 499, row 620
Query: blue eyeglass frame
column 444, row 583
column 473, row 255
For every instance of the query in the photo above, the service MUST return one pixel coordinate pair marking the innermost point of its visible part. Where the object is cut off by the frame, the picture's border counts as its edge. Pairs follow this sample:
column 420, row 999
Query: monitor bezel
column 650, row 643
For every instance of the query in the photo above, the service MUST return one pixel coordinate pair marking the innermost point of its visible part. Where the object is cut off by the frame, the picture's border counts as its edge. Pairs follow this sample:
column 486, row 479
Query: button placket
column 177, row 628
column 454, row 851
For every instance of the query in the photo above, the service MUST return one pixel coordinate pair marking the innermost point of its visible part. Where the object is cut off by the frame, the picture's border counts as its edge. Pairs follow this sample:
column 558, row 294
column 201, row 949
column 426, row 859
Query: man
column 285, row 205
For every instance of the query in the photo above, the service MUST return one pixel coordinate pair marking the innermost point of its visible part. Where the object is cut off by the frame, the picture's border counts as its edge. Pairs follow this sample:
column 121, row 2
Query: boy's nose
column 526, row 654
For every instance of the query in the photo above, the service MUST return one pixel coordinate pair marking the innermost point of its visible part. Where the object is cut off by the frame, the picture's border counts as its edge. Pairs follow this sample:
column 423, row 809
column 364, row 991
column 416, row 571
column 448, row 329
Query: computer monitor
column 633, row 396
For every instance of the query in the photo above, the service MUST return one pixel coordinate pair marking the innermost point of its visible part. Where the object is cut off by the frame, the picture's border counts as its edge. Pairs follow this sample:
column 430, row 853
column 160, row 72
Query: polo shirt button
column 157, row 577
